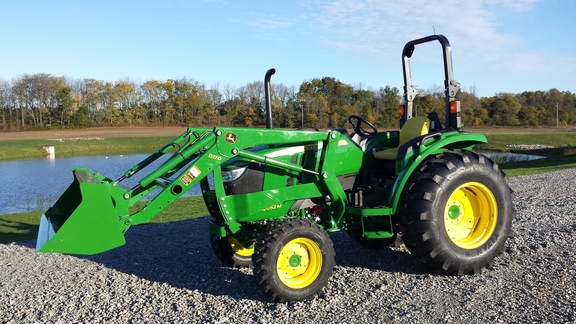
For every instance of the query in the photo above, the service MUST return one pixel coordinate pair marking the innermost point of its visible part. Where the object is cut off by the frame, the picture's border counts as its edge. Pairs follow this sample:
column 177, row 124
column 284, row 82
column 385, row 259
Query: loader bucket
column 85, row 219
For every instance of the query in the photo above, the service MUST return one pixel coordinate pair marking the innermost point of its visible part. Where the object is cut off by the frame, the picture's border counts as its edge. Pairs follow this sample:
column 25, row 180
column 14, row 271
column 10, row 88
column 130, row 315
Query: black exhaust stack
column 269, row 121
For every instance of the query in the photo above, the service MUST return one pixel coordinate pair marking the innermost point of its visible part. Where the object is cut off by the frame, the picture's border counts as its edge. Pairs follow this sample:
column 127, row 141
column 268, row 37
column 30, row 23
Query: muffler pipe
column 269, row 121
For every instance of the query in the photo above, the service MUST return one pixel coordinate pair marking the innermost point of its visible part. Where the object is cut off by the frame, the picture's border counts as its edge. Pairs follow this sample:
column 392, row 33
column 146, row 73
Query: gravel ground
column 167, row 273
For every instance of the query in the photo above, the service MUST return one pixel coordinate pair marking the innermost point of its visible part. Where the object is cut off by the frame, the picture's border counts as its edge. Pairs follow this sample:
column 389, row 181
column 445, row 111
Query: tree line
column 40, row 101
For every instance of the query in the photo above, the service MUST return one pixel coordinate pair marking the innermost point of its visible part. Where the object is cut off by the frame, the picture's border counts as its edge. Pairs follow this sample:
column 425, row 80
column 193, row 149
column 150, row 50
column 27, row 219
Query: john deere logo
column 231, row 138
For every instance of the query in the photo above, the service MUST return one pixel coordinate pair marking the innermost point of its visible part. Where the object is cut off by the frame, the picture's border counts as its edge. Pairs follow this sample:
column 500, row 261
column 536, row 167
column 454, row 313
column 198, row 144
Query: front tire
column 294, row 260
column 457, row 212
column 231, row 252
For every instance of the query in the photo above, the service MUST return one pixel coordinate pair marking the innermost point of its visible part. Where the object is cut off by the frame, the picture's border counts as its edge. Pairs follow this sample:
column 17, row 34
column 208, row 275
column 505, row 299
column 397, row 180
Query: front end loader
column 276, row 194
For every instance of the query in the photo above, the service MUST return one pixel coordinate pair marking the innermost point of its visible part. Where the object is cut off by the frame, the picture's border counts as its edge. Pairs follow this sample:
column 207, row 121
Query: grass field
column 562, row 156
column 21, row 149
column 102, row 140
column 23, row 226
column 499, row 139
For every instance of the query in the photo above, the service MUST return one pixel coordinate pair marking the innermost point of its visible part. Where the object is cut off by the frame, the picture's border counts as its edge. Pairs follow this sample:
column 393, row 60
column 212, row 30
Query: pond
column 500, row 157
column 32, row 184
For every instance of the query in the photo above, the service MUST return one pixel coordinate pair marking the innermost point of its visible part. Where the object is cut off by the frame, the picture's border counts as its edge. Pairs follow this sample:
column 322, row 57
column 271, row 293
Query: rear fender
column 411, row 158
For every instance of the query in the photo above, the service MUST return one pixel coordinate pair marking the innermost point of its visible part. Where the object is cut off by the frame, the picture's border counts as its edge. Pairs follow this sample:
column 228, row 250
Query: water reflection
column 500, row 157
column 37, row 183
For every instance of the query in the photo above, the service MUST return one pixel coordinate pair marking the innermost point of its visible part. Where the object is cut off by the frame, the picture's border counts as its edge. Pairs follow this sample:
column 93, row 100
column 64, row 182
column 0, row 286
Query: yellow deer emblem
column 231, row 138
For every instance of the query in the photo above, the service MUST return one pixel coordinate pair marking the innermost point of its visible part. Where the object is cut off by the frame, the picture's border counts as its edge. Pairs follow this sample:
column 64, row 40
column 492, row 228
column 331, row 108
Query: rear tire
column 457, row 212
column 230, row 252
column 294, row 260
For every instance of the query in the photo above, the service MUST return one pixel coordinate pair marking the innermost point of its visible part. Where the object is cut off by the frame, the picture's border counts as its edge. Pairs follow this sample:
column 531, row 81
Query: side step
column 376, row 221
column 375, row 227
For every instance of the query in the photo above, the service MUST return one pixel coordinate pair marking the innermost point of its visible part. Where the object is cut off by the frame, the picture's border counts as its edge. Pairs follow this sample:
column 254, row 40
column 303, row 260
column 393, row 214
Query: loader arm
column 216, row 149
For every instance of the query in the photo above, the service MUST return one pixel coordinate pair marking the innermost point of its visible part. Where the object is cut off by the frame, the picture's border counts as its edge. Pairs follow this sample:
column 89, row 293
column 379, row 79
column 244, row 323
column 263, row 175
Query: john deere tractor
column 276, row 194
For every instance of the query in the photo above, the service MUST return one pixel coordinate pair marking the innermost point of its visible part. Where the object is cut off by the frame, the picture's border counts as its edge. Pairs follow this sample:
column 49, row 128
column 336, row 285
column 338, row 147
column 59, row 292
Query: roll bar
column 451, row 86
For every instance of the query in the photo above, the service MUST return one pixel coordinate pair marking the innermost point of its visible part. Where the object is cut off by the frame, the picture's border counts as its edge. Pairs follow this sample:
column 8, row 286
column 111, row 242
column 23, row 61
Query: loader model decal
column 231, row 138
column 215, row 157
column 190, row 175
column 273, row 207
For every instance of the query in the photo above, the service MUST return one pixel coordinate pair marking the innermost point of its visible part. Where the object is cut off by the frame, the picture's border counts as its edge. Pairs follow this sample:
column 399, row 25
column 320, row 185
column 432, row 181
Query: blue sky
column 497, row 46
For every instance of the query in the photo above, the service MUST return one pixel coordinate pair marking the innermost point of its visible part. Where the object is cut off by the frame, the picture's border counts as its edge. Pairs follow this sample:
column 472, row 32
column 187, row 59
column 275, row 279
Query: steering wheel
column 357, row 126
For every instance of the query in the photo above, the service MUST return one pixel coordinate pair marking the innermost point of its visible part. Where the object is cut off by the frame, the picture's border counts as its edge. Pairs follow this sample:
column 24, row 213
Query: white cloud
column 517, row 5
column 377, row 29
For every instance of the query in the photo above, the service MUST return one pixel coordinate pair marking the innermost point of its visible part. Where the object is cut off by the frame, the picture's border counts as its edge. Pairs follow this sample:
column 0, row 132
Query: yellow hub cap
column 470, row 215
column 299, row 263
column 239, row 248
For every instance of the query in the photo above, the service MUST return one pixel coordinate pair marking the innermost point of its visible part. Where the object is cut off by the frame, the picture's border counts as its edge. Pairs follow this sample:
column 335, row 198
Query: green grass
column 500, row 141
column 21, row 149
column 19, row 227
column 24, row 226
column 182, row 209
column 554, row 163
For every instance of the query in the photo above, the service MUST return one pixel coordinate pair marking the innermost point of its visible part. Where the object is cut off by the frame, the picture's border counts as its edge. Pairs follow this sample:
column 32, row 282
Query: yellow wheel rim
column 299, row 263
column 470, row 215
column 239, row 248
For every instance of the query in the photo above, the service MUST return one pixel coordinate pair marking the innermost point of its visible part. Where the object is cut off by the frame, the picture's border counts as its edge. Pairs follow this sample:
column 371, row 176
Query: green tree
column 125, row 97
column 528, row 116
column 387, row 102
column 468, row 104
column 502, row 109
column 64, row 104
column 330, row 100
column 427, row 103
column 80, row 118
column 152, row 96
column 364, row 103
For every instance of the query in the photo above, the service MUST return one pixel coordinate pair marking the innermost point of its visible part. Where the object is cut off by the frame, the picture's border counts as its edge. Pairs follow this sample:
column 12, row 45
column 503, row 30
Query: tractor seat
column 414, row 127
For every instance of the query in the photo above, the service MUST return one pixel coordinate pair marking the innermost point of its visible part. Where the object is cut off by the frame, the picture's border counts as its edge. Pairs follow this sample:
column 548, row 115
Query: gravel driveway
column 167, row 273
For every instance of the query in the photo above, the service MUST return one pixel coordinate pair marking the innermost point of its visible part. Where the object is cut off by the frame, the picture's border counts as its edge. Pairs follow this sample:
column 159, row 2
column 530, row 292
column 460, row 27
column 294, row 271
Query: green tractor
column 276, row 194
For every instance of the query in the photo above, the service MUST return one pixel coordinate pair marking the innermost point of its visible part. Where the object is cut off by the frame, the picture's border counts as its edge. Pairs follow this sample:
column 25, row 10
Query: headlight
column 233, row 174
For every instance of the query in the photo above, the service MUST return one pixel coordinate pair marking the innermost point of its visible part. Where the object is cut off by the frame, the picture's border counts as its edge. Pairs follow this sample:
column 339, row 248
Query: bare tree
column 153, row 94
column 229, row 92
column 215, row 96
column 5, row 89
